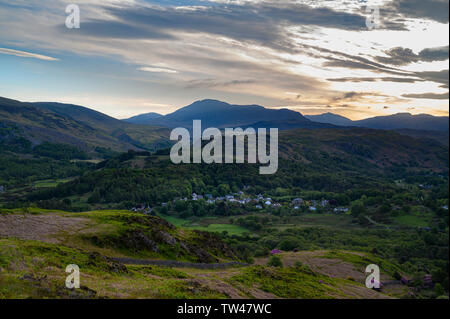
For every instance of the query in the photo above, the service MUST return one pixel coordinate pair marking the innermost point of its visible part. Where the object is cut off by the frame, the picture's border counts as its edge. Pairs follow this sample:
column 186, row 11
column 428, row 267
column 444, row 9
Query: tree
column 358, row 208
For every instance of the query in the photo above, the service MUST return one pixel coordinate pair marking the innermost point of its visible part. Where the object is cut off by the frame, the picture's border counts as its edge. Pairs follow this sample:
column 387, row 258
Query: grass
column 195, row 225
column 342, row 221
column 50, row 182
column 363, row 260
column 412, row 221
column 32, row 269
column 292, row 282
column 164, row 272
column 418, row 217
column 35, row 269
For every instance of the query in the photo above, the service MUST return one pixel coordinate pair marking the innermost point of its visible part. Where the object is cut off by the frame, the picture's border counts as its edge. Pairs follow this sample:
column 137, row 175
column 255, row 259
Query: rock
column 138, row 240
column 166, row 238
column 96, row 259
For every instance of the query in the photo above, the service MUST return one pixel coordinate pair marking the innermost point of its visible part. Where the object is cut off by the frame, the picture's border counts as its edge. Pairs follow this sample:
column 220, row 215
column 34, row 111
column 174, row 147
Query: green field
column 419, row 216
column 50, row 182
column 195, row 225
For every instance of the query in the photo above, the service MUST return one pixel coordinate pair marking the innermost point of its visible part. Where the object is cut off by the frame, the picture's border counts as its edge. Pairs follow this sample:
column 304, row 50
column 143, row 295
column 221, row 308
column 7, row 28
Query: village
column 257, row 202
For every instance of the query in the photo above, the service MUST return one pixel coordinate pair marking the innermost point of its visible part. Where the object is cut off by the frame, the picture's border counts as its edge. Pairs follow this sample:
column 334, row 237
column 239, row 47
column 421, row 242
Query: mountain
column 74, row 125
column 423, row 122
column 219, row 114
column 80, row 113
column 330, row 118
column 143, row 118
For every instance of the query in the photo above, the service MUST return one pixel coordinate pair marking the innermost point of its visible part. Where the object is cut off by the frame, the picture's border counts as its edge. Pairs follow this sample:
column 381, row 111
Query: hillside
column 326, row 160
column 370, row 148
column 77, row 126
column 98, row 243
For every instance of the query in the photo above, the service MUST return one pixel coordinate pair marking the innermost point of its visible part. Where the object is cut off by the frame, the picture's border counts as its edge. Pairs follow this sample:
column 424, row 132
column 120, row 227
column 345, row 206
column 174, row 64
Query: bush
column 275, row 261
column 438, row 290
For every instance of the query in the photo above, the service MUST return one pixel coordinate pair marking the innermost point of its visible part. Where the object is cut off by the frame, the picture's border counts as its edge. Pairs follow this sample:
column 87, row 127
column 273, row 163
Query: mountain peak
column 215, row 113
column 142, row 118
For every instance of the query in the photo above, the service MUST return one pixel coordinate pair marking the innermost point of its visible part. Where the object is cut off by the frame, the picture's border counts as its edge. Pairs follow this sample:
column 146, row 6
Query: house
column 210, row 201
column 259, row 207
column 340, row 210
column 199, row 196
column 312, row 208
column 324, row 203
column 444, row 207
column 268, row 203
column 296, row 207
column 209, row 196
column 297, row 201
column 194, row 196
column 229, row 197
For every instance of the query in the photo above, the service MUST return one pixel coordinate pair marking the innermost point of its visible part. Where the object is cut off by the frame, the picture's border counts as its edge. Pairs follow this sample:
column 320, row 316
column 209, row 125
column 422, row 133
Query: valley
column 79, row 187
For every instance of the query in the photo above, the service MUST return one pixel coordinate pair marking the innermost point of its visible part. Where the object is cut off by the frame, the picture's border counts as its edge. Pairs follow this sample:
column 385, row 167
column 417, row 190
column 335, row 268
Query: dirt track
column 177, row 264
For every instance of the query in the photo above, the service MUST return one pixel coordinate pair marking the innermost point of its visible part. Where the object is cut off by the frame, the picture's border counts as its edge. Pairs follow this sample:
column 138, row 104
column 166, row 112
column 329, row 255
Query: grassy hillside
column 33, row 262
column 77, row 126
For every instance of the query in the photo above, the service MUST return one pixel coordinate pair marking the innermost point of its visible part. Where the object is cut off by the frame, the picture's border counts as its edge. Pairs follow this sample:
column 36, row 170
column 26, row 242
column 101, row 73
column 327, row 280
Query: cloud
column 434, row 54
column 435, row 76
column 429, row 96
column 157, row 70
column 261, row 22
column 436, row 10
column 375, row 79
column 24, row 54
column 245, row 51
column 402, row 56
column 212, row 83
column 120, row 30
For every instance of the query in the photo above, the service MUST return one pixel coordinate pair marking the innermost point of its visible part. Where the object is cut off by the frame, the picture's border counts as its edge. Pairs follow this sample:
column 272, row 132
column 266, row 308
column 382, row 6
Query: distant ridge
column 422, row 122
column 330, row 118
column 143, row 118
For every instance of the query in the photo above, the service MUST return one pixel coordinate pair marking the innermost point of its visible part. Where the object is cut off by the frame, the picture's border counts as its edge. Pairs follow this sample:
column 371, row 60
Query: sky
column 313, row 56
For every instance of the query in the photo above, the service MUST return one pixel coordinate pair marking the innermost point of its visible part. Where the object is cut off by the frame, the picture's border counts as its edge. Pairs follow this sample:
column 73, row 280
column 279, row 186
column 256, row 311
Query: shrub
column 275, row 261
